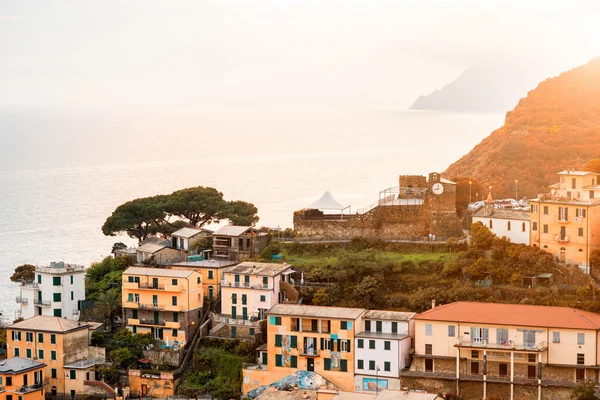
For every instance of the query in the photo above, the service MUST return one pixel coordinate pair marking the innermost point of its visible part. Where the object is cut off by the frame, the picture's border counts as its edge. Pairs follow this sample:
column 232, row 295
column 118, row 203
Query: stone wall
column 160, row 386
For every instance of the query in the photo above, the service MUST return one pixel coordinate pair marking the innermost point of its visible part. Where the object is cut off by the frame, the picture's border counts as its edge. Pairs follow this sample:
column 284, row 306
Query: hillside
column 480, row 89
column 557, row 126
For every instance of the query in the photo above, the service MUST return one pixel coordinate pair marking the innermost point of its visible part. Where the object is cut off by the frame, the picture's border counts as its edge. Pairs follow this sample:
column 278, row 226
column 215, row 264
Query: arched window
column 491, row 224
column 508, row 225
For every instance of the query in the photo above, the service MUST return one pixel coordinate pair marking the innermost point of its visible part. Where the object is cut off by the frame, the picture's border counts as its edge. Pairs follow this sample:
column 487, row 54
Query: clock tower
column 440, row 202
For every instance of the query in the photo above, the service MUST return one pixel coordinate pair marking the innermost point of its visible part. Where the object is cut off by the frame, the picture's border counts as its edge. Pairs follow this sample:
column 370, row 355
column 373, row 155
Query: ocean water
column 63, row 172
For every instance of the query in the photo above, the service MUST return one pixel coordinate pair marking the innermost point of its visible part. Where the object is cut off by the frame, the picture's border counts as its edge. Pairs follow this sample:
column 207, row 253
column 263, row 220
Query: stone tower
column 440, row 202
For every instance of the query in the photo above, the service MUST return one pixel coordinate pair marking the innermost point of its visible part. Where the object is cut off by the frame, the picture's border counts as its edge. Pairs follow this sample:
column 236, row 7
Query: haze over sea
column 62, row 172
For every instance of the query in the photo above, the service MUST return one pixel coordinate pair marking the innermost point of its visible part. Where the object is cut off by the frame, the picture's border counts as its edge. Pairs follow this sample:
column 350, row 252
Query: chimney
column 433, row 304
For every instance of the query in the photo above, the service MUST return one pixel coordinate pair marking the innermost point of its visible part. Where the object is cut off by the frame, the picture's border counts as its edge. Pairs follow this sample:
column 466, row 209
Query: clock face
column 437, row 188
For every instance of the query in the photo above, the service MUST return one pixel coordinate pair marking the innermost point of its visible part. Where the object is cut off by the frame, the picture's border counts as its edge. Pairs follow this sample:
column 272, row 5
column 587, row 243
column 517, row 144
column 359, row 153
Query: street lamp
column 516, row 189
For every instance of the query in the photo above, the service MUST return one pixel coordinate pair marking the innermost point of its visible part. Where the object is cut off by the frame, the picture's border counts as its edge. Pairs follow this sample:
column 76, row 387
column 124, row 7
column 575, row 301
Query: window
column 198, row 280
column 580, row 212
column 244, row 299
column 56, row 281
column 581, row 338
column 52, row 338
column 174, row 333
column 368, row 326
column 545, row 228
column 428, row 349
column 174, row 300
column 174, row 282
column 428, row 329
column 534, row 208
column 9, row 381
column 326, row 344
column 29, row 336
column 234, row 298
column 344, row 365
column 387, row 366
column 394, row 327
column 17, row 352
column 294, row 362
column 361, row 344
column 531, row 358
column 277, row 340
column 344, row 325
column 27, row 353
column 491, row 225
column 503, row 370
column 508, row 226
column 555, row 337
column 345, row 345
column 275, row 320
column 474, row 354
column 211, row 274
column 130, row 297
column 72, row 295
column 361, row 364
column 53, row 373
column 475, row 368
column 573, row 183
column 502, row 336
column 479, row 335
column 451, row 331
column 56, row 297
column 591, row 194
column 40, row 338
column 53, row 355
column 534, row 226
column 263, row 298
column 428, row 365
column 579, row 375
column 378, row 326
column 371, row 344
column 71, row 279
column 278, row 360
column 372, row 365
column 580, row 359
column 580, row 231
column 294, row 342
column 563, row 213
column 523, row 227
column 327, row 364
column 39, row 277
column 545, row 210
column 57, row 312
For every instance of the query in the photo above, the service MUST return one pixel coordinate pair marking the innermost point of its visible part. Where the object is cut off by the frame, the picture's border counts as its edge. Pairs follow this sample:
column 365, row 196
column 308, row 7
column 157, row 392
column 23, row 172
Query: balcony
column 308, row 352
column 561, row 219
column 151, row 321
column 151, row 306
column 541, row 346
column 151, row 286
column 172, row 324
column 562, row 239
column 29, row 285
column 21, row 300
column 133, row 321
column 259, row 286
column 235, row 321
column 42, row 303
column 31, row 388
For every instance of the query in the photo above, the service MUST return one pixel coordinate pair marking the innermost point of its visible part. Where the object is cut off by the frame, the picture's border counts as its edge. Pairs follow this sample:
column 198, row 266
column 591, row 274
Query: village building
column 63, row 346
column 238, row 242
column 21, row 379
column 160, row 253
column 566, row 221
column 418, row 208
column 165, row 302
column 383, row 344
column 211, row 272
column 184, row 238
column 504, row 222
column 511, row 351
column 248, row 290
column 55, row 291
column 311, row 340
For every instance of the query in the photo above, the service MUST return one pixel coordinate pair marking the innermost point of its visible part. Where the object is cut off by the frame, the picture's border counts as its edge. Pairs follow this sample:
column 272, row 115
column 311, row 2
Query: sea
column 63, row 172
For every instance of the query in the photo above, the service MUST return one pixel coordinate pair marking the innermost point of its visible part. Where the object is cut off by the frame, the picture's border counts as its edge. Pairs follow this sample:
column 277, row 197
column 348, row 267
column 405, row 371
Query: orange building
column 211, row 272
column 566, row 222
column 62, row 347
column 21, row 379
column 165, row 302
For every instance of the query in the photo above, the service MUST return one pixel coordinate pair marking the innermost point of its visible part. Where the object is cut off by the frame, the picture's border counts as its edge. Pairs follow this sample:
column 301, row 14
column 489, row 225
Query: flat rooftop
column 163, row 272
column 17, row 364
column 389, row 315
column 301, row 310
column 206, row 264
column 257, row 268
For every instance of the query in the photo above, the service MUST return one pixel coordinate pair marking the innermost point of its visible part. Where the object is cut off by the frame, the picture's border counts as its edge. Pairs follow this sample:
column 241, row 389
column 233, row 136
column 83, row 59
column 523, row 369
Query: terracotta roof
column 151, row 248
column 302, row 310
column 49, row 324
column 503, row 213
column 513, row 314
column 189, row 232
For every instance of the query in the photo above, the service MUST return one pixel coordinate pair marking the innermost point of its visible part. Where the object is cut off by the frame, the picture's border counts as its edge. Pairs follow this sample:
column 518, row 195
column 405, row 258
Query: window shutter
column 344, row 365
column 327, row 364
column 293, row 342
column 485, row 334
column 277, row 340
column 473, row 334
column 322, row 344
column 278, row 360
column 349, row 346
column 294, row 361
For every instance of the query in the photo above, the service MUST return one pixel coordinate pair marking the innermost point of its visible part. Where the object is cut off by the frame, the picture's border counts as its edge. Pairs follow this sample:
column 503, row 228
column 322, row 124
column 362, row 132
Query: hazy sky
column 221, row 55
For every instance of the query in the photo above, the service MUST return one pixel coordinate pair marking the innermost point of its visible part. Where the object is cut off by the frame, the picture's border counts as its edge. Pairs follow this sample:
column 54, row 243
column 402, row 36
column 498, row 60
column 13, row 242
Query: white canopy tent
column 328, row 202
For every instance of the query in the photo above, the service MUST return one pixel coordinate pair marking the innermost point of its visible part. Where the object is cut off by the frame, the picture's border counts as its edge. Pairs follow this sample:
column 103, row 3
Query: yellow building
column 21, row 379
column 59, row 344
column 211, row 272
column 165, row 302
column 507, row 350
column 566, row 221
column 308, row 338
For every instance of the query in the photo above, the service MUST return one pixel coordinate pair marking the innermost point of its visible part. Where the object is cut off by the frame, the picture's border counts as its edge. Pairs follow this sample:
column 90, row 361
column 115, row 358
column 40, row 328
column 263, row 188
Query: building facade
column 512, row 224
column 211, row 272
column 56, row 291
column 383, row 344
column 165, row 302
column 511, row 351
column 58, row 343
column 566, row 222
column 184, row 238
column 21, row 379
column 238, row 242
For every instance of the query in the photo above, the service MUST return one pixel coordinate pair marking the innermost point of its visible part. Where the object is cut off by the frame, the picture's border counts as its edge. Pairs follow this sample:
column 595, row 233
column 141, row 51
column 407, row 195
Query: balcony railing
column 21, row 300
column 30, row 388
column 309, row 352
column 42, row 303
column 150, row 321
column 246, row 285
column 235, row 321
column 31, row 285
column 562, row 239
column 561, row 219
column 540, row 346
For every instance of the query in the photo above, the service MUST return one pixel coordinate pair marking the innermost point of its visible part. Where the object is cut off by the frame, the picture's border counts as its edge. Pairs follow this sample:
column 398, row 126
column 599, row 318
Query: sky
column 226, row 55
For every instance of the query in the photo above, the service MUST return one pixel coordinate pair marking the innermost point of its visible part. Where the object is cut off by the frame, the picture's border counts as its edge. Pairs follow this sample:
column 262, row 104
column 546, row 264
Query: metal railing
column 236, row 321
column 506, row 345
column 33, row 285
column 21, row 300
column 30, row 388
column 43, row 303
column 150, row 321
column 246, row 285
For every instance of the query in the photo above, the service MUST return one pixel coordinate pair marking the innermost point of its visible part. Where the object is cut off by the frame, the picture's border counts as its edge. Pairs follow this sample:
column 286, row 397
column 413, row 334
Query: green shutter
column 72, row 374
column 387, row 366
column 387, row 345
column 327, row 364
column 41, row 354
column 361, row 343
column 56, row 297
column 28, row 353
column 40, row 338
column 349, row 346
column 52, row 338
column 293, row 342
column 278, row 360
column 56, row 281
column 344, row 365
column 294, row 363
column 277, row 340
column 53, row 372
column 361, row 364
column 53, row 355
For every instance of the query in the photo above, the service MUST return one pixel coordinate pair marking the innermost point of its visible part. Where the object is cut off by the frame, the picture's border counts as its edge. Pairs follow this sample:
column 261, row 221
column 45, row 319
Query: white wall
column 500, row 228
column 47, row 288
column 379, row 355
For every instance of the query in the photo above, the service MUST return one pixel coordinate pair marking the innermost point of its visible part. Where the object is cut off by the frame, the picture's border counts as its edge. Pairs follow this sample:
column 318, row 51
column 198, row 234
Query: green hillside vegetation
column 556, row 127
